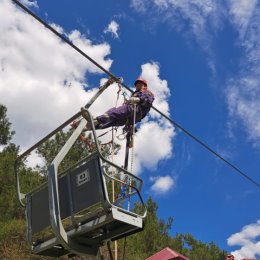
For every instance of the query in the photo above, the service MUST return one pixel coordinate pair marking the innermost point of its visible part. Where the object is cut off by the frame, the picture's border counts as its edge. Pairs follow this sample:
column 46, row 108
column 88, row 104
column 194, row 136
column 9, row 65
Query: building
column 167, row 254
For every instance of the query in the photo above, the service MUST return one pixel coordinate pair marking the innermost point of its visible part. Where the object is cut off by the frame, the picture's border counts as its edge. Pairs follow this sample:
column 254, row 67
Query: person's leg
column 114, row 117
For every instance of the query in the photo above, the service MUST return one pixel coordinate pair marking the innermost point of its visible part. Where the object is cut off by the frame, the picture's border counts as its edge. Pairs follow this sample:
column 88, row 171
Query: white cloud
column 245, row 18
column 243, row 90
column 153, row 143
column 41, row 79
column 162, row 184
column 139, row 5
column 163, row 4
column 34, row 160
column 29, row 3
column 200, row 15
column 246, row 238
column 150, row 72
column 243, row 97
column 58, row 28
column 241, row 12
column 197, row 20
column 112, row 28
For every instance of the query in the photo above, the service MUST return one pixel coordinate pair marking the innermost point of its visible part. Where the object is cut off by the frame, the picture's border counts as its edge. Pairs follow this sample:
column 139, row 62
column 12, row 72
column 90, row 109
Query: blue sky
column 202, row 61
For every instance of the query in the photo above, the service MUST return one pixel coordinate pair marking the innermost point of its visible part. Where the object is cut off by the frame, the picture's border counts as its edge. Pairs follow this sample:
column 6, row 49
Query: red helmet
column 141, row 80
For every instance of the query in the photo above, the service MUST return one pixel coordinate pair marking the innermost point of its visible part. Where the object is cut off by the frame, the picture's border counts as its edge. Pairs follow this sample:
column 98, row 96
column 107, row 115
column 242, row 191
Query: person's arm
column 134, row 100
column 146, row 98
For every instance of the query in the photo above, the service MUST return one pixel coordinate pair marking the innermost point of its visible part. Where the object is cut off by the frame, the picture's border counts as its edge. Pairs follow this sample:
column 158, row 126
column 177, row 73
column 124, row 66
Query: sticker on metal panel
column 83, row 177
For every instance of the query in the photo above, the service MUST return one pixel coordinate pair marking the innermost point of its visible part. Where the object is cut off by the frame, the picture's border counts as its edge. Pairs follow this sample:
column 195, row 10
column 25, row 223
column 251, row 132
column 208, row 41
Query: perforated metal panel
column 79, row 189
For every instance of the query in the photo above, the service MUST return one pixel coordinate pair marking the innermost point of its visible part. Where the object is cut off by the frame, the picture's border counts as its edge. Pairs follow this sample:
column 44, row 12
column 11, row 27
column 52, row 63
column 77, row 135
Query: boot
column 88, row 127
column 75, row 124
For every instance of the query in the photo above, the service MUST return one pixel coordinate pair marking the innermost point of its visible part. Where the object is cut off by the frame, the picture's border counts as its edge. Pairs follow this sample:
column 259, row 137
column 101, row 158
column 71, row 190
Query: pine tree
column 5, row 131
column 12, row 225
column 154, row 237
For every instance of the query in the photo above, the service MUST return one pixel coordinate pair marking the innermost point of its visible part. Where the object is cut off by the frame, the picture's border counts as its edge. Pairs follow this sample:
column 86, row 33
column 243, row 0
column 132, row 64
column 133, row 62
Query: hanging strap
column 119, row 89
column 109, row 250
column 132, row 135
column 132, row 129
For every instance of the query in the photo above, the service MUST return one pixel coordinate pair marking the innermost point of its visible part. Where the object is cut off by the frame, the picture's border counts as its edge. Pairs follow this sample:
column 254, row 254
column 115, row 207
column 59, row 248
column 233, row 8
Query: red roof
column 167, row 254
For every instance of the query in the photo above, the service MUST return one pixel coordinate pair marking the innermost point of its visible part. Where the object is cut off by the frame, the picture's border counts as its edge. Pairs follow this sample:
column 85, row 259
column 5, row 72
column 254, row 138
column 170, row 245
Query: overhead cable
column 63, row 38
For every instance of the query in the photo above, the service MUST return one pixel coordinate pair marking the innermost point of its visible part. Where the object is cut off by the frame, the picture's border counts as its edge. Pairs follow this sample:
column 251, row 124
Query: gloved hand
column 134, row 100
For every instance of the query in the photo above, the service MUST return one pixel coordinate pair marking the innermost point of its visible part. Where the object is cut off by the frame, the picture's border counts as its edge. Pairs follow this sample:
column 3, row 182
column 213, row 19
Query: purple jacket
column 146, row 102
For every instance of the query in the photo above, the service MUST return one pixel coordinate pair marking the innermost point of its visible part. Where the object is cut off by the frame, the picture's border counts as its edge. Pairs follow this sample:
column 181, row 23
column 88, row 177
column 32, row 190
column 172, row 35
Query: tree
column 49, row 149
column 154, row 236
column 12, row 225
column 13, row 244
column 202, row 251
column 5, row 132
column 8, row 195
column 7, row 180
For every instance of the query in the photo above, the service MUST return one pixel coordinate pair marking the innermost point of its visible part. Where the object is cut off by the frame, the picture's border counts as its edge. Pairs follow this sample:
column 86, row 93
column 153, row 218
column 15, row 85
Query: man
column 230, row 257
column 124, row 115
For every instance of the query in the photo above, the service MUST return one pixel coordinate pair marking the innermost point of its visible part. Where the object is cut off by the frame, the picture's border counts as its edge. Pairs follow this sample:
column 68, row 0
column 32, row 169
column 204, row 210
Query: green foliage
column 12, row 240
column 155, row 235
column 8, row 200
column 203, row 251
column 9, row 207
column 13, row 243
column 5, row 132
column 49, row 149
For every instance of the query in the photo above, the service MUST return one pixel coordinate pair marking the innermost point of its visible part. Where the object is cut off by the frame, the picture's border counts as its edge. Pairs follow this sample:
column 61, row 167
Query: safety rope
column 113, row 152
column 124, row 249
column 112, row 141
column 119, row 89
column 133, row 134
column 124, row 94
column 110, row 250
column 131, row 168
column 113, row 183
column 132, row 152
